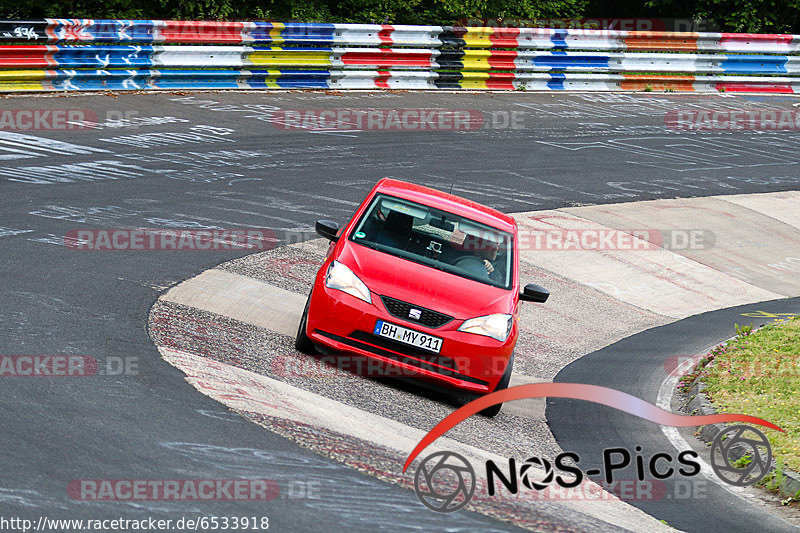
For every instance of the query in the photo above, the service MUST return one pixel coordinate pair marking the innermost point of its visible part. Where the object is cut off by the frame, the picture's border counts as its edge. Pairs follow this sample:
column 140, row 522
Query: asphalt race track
column 575, row 424
column 217, row 160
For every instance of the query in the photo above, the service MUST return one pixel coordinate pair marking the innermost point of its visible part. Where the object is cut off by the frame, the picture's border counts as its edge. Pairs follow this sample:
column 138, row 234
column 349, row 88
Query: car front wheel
column 505, row 379
column 301, row 341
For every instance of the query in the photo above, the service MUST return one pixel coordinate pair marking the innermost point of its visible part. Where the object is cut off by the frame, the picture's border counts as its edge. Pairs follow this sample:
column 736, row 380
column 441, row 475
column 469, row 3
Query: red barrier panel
column 387, row 58
column 25, row 56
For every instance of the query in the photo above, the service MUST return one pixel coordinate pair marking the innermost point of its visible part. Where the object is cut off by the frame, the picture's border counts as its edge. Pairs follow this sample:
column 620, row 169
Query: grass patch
column 758, row 373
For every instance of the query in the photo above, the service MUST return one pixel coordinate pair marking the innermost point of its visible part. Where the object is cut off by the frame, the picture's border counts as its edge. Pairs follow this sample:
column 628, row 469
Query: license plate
column 408, row 336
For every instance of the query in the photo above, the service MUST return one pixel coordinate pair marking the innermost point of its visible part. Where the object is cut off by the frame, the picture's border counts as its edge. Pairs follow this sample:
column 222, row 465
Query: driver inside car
column 485, row 259
column 487, row 251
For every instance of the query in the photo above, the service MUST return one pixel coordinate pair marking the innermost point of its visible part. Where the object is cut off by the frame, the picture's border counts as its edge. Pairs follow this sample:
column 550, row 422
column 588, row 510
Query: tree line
column 753, row 16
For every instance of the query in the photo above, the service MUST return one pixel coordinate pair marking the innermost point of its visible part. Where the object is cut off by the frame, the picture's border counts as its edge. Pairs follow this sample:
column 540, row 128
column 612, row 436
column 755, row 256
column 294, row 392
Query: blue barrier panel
column 561, row 60
column 94, row 80
column 198, row 79
column 101, row 30
column 292, row 33
column 754, row 64
column 289, row 79
column 559, row 39
column 556, row 82
column 103, row 56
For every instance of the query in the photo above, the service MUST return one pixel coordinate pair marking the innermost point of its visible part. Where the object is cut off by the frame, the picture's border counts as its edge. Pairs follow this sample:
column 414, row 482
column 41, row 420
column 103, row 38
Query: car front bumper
column 343, row 324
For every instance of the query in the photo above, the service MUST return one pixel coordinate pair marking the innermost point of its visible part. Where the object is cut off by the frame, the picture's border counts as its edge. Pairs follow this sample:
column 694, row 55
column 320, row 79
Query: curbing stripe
column 659, row 280
column 736, row 241
column 783, row 206
column 249, row 392
column 241, row 298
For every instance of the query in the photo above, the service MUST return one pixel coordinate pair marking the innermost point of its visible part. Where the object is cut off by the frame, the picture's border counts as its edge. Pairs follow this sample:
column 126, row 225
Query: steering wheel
column 472, row 264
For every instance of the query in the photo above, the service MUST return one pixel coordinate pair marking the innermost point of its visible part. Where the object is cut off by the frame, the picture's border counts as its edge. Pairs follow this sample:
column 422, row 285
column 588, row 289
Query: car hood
column 421, row 285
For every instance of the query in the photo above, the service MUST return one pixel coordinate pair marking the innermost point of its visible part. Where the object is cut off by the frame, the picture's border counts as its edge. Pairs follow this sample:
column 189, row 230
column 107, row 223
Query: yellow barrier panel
column 289, row 57
column 22, row 80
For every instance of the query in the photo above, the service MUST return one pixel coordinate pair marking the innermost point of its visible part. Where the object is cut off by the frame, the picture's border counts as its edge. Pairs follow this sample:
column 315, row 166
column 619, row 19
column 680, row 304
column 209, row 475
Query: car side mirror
column 328, row 229
column 534, row 293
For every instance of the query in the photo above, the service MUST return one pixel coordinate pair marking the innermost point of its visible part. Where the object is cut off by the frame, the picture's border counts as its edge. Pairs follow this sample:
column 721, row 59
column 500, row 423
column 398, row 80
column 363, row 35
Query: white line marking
column 242, row 179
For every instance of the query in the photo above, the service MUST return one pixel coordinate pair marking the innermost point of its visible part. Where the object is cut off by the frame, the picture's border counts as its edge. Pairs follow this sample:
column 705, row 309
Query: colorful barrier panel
column 88, row 54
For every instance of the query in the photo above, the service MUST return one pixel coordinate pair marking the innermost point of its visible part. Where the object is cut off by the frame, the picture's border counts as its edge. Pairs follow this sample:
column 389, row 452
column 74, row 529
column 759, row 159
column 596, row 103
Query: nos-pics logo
column 445, row 481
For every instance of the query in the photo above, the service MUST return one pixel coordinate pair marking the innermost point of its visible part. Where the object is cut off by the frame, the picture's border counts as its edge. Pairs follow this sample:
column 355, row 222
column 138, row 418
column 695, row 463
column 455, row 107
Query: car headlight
column 341, row 278
column 497, row 326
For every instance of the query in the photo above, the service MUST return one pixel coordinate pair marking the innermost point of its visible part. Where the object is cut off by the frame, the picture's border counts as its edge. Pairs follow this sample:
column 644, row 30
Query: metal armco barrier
column 86, row 55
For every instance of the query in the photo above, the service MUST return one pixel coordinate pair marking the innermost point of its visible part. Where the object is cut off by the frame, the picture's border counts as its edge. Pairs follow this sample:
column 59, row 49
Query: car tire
column 301, row 341
column 505, row 379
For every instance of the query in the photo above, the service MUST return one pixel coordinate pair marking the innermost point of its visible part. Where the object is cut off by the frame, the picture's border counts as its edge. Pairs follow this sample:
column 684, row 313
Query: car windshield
column 438, row 239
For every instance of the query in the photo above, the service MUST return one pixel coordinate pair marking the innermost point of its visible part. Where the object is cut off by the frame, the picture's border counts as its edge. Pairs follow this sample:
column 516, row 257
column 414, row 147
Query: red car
column 426, row 283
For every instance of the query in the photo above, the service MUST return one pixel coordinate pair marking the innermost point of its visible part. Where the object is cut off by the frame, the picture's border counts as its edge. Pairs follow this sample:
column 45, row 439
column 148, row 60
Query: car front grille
column 431, row 362
column 403, row 310
column 419, row 353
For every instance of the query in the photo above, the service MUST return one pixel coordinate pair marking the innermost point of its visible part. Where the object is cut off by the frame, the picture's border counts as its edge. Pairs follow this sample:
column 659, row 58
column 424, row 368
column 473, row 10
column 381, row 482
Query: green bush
column 758, row 16
column 360, row 11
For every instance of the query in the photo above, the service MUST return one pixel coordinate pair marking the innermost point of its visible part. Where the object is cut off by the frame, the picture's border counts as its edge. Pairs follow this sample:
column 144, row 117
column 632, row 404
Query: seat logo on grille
column 414, row 313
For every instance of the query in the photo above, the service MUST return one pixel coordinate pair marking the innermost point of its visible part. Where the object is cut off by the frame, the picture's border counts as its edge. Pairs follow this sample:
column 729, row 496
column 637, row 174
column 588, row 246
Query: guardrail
column 90, row 54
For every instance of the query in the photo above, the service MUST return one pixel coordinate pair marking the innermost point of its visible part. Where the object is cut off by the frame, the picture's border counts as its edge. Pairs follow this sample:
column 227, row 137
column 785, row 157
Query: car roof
column 447, row 202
